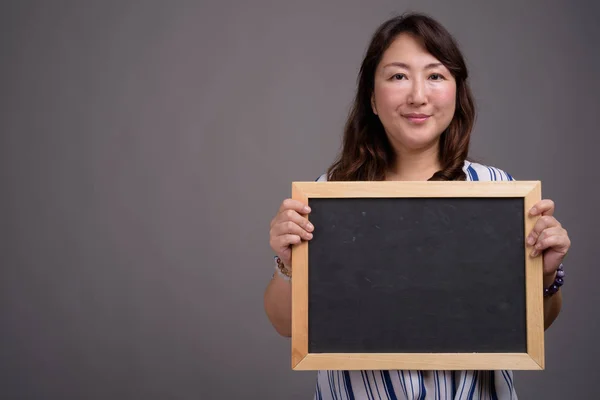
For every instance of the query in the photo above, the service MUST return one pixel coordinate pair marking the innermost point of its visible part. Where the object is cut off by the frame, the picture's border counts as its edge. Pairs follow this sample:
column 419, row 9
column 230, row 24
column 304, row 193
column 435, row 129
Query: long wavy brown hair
column 366, row 153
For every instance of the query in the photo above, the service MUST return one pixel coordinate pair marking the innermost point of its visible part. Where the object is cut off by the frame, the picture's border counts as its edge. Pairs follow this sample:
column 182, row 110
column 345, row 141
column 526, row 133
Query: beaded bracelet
column 558, row 282
column 282, row 270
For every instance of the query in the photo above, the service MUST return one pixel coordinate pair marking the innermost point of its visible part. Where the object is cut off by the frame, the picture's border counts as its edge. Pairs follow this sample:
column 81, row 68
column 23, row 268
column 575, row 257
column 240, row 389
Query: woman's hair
column 367, row 154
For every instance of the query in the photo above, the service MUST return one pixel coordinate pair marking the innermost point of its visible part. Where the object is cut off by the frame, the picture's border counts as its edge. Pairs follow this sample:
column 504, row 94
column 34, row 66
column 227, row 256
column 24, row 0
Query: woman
column 411, row 120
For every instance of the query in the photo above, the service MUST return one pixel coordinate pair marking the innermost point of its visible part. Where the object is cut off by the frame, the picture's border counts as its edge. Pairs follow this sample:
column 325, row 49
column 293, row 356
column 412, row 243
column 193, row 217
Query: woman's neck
column 415, row 166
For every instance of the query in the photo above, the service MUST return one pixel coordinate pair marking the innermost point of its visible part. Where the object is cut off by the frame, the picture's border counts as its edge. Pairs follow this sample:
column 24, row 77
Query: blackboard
column 417, row 275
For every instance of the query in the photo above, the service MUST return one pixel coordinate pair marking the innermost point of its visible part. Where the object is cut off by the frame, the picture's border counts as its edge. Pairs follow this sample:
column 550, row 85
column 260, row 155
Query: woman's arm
column 552, row 304
column 550, row 240
column 278, row 305
column 288, row 227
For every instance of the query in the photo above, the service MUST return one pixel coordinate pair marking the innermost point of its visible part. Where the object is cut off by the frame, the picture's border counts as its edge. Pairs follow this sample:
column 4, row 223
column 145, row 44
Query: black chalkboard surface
column 417, row 275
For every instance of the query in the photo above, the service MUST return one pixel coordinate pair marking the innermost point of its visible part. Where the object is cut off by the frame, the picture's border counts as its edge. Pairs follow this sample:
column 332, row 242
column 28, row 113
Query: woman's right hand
column 289, row 227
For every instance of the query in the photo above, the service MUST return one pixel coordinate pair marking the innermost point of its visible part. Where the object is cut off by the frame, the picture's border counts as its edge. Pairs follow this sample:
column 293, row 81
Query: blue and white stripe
column 419, row 385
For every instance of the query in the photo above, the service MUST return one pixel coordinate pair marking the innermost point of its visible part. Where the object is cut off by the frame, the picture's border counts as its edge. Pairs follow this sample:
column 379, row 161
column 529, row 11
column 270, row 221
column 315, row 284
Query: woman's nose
column 417, row 95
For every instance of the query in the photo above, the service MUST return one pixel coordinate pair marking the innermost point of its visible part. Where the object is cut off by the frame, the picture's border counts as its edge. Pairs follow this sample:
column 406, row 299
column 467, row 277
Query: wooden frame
column 533, row 359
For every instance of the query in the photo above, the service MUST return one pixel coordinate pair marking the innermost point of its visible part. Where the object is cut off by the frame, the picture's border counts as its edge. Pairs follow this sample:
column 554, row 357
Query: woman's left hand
column 548, row 237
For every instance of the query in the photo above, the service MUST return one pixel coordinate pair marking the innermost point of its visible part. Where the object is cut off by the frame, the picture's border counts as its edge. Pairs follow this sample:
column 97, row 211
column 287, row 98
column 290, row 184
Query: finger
column 296, row 205
column 290, row 205
column 559, row 243
column 291, row 215
column 542, row 223
column 281, row 243
column 555, row 230
column 284, row 241
column 290, row 227
column 543, row 207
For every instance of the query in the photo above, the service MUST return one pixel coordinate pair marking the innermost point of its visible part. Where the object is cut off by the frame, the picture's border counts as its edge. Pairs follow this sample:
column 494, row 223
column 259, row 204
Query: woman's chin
column 415, row 145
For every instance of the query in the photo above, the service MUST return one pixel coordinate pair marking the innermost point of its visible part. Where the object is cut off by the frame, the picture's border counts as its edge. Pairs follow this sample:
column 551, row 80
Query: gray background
column 146, row 146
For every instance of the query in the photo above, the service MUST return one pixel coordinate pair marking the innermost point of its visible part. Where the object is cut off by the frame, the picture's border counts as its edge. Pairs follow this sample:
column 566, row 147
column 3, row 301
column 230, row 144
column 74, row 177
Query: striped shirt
column 413, row 385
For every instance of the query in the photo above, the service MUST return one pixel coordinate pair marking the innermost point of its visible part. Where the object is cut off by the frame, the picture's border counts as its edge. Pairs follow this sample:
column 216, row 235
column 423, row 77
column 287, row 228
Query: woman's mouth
column 417, row 118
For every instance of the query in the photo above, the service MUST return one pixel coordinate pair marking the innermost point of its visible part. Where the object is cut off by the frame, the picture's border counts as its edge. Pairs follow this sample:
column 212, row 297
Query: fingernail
column 309, row 235
column 310, row 226
column 533, row 210
column 534, row 253
column 530, row 240
column 307, row 208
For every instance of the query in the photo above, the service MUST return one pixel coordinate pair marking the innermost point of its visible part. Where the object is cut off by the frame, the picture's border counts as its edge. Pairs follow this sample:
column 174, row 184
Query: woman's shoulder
column 321, row 178
column 482, row 172
column 475, row 172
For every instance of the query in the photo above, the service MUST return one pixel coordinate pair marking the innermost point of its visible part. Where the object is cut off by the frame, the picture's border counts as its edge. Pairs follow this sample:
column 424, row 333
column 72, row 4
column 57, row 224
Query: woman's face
column 414, row 95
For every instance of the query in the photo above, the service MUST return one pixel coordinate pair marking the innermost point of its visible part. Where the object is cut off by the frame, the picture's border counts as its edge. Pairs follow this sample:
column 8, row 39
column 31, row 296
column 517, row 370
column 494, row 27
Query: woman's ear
column 373, row 105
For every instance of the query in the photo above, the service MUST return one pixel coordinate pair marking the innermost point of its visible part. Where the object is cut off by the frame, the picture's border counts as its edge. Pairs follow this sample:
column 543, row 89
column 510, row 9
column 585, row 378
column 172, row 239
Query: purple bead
column 558, row 282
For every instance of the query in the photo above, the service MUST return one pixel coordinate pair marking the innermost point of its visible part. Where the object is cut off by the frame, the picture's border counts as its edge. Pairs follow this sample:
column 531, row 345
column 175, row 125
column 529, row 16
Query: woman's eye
column 436, row 77
column 398, row 76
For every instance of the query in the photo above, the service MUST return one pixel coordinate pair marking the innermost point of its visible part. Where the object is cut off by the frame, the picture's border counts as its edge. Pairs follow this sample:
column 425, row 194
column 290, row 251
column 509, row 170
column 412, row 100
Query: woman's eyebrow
column 403, row 65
